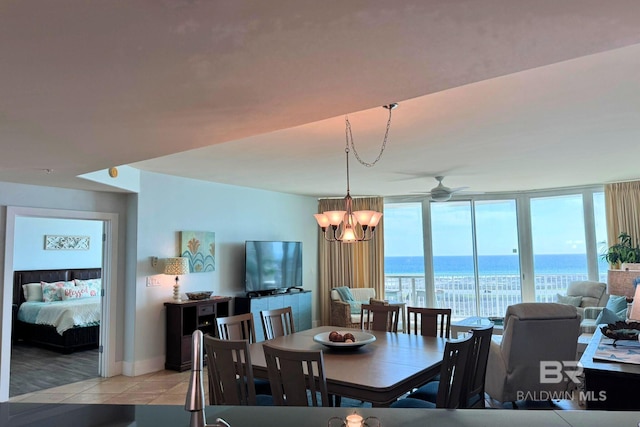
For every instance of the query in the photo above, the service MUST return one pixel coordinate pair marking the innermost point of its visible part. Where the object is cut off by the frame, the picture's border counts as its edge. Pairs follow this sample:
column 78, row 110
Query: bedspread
column 63, row 315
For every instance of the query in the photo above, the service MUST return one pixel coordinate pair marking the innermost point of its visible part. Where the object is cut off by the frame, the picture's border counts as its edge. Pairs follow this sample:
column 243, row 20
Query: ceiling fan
column 441, row 193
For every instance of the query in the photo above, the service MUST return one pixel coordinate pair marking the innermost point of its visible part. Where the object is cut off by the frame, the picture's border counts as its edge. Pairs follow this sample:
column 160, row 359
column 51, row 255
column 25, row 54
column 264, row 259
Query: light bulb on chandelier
column 347, row 226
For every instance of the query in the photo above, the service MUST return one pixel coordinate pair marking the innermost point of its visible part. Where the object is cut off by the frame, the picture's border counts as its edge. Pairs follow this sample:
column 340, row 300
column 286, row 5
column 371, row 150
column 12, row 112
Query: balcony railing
column 459, row 292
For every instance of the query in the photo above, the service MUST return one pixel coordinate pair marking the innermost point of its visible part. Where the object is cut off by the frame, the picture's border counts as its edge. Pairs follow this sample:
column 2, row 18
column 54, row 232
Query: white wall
column 167, row 205
column 29, row 252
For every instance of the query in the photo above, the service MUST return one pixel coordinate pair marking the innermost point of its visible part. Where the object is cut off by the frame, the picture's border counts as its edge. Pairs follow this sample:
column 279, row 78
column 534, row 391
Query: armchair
column 347, row 314
column 593, row 298
column 533, row 332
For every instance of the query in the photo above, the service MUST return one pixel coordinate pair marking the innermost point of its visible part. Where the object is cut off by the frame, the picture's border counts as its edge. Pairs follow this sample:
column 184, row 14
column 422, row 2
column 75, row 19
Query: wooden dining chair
column 430, row 322
column 472, row 393
column 277, row 323
column 378, row 317
column 238, row 327
column 294, row 372
column 455, row 362
column 230, row 373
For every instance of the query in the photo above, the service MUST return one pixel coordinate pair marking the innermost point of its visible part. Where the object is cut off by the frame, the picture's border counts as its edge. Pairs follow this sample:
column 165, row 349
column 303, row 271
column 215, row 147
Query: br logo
column 554, row 372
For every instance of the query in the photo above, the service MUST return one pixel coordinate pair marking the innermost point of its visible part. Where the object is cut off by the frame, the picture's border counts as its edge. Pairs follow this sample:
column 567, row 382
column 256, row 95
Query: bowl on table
column 198, row 295
column 361, row 338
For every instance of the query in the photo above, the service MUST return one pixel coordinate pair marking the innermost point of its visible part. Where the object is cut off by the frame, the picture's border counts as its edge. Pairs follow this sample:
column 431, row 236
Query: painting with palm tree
column 199, row 247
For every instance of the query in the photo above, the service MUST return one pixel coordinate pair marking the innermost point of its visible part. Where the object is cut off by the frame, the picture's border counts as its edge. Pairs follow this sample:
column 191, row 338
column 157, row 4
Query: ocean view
column 489, row 265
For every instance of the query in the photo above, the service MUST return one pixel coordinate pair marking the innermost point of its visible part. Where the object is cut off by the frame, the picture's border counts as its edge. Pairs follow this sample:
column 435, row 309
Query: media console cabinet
column 300, row 303
column 185, row 317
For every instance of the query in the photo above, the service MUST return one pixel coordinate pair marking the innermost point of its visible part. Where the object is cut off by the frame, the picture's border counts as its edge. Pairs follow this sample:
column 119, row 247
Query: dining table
column 379, row 372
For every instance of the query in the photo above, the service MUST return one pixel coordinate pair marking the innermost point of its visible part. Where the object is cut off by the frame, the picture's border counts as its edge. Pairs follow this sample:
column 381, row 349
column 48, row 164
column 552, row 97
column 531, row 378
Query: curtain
column 622, row 204
column 357, row 265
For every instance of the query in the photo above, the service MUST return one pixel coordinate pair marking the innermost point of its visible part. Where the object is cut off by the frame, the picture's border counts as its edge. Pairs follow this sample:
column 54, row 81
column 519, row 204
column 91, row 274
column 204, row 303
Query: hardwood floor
column 35, row 368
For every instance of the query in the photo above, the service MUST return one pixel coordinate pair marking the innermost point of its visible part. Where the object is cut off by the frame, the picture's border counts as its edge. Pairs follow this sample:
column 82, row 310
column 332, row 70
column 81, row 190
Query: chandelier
column 347, row 226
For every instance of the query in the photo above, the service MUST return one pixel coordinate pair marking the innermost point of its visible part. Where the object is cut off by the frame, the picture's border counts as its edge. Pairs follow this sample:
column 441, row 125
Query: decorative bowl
column 621, row 330
column 199, row 295
column 362, row 338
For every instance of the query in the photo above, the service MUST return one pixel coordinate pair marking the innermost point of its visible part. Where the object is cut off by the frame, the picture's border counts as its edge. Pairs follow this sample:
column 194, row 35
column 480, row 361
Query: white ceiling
column 497, row 95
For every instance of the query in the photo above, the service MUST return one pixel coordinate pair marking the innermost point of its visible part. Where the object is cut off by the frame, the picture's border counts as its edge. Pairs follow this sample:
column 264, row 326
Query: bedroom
column 53, row 301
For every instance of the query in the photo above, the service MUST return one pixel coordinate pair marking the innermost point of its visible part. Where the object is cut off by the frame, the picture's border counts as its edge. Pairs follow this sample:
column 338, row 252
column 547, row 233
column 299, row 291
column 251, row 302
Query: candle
column 354, row 420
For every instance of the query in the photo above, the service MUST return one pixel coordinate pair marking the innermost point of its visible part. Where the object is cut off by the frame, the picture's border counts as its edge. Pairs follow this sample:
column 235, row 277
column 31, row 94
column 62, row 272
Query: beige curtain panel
column 357, row 265
column 622, row 203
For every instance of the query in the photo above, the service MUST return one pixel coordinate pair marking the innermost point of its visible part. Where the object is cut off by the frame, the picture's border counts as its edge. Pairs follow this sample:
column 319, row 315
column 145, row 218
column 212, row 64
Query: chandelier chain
column 350, row 142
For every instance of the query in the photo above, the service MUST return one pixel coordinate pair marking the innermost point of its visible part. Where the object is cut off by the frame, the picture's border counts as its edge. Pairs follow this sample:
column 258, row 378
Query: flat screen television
column 271, row 267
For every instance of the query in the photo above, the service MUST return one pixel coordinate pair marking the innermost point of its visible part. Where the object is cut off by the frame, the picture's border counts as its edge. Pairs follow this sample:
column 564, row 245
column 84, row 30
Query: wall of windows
column 481, row 254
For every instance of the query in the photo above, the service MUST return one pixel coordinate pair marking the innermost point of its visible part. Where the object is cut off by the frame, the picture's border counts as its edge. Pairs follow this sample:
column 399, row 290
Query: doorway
column 106, row 362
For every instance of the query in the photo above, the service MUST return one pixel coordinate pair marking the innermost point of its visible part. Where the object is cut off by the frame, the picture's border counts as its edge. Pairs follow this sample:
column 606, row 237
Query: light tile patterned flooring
column 158, row 388
column 170, row 388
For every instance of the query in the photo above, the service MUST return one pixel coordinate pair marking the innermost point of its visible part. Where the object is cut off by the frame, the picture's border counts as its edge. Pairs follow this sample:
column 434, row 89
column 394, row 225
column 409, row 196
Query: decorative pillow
column 32, row 292
column 75, row 292
column 94, row 286
column 617, row 303
column 607, row 316
column 574, row 301
column 51, row 291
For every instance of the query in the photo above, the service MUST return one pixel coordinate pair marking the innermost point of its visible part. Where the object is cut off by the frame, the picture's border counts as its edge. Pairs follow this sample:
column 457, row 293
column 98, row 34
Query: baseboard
column 143, row 367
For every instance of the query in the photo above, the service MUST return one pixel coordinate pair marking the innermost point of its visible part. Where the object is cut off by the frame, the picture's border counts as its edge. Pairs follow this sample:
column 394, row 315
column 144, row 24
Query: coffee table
column 469, row 323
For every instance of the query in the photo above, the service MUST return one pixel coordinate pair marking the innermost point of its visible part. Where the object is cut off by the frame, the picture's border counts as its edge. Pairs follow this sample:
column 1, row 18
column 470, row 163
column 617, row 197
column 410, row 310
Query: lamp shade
column 176, row 266
column 622, row 282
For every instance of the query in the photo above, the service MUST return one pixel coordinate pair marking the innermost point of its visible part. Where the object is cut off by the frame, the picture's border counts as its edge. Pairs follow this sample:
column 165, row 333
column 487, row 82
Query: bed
column 64, row 332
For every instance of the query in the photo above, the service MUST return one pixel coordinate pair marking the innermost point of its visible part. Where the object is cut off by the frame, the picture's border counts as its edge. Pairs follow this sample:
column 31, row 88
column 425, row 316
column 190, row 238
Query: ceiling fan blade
column 454, row 190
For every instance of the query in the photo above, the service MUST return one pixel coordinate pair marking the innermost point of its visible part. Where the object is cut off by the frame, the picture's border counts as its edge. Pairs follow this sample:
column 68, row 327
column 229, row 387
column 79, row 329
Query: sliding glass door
column 475, row 256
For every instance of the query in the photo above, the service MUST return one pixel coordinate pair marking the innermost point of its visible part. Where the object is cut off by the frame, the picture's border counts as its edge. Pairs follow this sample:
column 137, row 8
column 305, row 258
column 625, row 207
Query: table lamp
column 175, row 267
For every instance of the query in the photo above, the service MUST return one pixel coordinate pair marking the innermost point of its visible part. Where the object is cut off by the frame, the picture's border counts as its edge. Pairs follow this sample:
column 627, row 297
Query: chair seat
column 262, row 386
column 428, row 392
column 412, row 403
column 264, row 400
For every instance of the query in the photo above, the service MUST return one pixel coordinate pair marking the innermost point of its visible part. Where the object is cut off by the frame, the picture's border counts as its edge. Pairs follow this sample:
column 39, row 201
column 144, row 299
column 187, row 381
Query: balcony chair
column 277, row 323
column 453, row 375
column 287, row 370
column 430, row 322
column 227, row 363
column 533, row 332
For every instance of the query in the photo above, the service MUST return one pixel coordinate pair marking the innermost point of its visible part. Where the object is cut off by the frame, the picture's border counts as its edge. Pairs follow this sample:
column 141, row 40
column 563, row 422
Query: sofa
column 347, row 314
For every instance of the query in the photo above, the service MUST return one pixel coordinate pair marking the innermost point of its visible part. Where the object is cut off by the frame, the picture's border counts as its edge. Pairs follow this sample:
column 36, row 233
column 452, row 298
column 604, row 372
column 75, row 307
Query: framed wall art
column 68, row 243
column 199, row 247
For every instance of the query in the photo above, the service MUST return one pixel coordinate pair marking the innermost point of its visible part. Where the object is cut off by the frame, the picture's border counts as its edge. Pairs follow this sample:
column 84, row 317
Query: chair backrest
column 377, row 317
column 292, row 373
column 277, row 323
column 227, row 361
column 533, row 332
column 430, row 322
column 238, row 327
column 473, row 390
column 455, row 362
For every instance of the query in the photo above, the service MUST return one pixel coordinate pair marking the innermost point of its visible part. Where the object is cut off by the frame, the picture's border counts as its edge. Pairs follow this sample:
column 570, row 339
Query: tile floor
column 170, row 388
column 159, row 388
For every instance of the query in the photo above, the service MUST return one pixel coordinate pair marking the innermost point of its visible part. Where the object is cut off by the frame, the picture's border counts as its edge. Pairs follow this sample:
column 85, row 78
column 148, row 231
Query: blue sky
column 557, row 227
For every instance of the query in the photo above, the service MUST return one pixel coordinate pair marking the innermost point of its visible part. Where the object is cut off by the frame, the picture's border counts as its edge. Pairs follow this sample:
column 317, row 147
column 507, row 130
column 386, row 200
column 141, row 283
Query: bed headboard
column 35, row 276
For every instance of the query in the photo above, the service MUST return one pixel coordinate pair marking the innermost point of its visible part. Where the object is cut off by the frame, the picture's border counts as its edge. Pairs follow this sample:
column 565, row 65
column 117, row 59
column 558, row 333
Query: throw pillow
column 607, row 316
column 74, row 292
column 51, row 291
column 32, row 292
column 93, row 285
column 574, row 301
column 617, row 303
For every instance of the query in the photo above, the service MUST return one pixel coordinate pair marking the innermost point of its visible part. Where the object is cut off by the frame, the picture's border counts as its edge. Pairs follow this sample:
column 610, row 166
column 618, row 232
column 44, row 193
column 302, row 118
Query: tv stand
column 300, row 303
